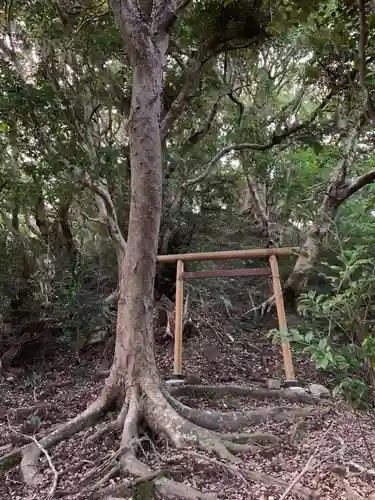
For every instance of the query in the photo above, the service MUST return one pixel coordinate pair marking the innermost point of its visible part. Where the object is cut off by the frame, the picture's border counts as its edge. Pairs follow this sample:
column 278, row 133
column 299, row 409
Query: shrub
column 341, row 340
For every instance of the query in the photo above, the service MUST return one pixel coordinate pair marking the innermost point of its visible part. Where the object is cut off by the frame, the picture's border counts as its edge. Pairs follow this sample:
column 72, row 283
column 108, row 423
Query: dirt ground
column 334, row 453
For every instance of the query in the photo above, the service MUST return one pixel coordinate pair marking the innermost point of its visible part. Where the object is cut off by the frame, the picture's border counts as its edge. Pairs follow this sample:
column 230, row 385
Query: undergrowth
column 341, row 340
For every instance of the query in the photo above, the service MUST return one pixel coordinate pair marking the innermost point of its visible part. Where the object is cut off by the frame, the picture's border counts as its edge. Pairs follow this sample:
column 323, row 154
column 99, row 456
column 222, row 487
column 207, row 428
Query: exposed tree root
column 165, row 486
column 216, row 420
column 117, row 424
column 129, row 461
column 258, row 437
column 30, row 453
column 180, row 425
column 240, row 448
column 259, row 477
column 235, row 390
column 166, row 421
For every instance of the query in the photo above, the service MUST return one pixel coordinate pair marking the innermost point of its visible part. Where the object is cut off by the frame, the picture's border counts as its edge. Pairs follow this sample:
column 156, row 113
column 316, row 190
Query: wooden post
column 178, row 319
column 278, row 292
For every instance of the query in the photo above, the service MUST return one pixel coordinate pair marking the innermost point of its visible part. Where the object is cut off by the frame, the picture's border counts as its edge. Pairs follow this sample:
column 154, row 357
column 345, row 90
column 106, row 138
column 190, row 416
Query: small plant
column 354, row 390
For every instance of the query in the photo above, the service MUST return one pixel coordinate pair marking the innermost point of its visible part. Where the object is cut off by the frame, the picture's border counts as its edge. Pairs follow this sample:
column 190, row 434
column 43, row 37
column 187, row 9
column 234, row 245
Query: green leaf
column 35, row 420
column 322, row 363
column 323, row 343
column 309, row 336
column 4, row 127
column 371, row 21
column 336, row 391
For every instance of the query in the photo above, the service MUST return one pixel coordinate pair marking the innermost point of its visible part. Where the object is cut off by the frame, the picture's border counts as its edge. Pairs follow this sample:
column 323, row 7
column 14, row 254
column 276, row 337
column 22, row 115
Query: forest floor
column 343, row 441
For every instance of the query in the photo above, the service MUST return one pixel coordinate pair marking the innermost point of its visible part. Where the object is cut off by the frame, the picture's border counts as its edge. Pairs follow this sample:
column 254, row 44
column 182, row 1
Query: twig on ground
column 104, row 465
column 351, row 493
column 365, row 441
column 46, row 454
column 126, row 486
column 253, row 307
column 307, row 466
column 232, row 468
column 112, row 473
column 361, row 469
column 50, row 463
column 253, row 475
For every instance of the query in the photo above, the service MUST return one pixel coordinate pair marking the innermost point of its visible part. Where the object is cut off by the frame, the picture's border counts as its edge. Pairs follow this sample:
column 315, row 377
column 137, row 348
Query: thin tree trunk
column 255, row 203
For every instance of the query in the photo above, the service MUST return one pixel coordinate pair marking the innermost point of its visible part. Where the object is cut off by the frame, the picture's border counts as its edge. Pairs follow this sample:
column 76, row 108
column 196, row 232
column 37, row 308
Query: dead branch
column 253, row 475
column 29, row 454
column 46, row 454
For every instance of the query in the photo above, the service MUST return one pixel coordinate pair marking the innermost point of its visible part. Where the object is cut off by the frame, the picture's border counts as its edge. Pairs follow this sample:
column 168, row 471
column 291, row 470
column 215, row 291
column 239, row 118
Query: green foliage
column 256, row 72
column 342, row 342
column 144, row 491
column 78, row 305
column 348, row 308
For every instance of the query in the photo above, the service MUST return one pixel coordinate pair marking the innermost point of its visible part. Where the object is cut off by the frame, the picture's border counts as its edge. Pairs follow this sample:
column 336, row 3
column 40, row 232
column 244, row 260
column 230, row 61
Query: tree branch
column 9, row 54
column 105, row 206
column 200, row 134
column 276, row 139
column 358, row 183
column 134, row 29
column 363, row 39
column 194, row 139
column 228, row 149
column 167, row 13
column 192, row 77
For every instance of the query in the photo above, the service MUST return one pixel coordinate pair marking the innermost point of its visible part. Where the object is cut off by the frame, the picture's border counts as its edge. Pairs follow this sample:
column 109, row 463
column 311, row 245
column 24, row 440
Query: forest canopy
column 138, row 128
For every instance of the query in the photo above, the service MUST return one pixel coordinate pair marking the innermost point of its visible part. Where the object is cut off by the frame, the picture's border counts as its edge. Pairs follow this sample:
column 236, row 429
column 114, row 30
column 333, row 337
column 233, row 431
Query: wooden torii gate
column 270, row 253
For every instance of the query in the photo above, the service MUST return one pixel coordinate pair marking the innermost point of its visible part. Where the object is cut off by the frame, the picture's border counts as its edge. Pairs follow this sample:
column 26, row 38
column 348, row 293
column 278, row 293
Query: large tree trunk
column 134, row 363
column 134, row 383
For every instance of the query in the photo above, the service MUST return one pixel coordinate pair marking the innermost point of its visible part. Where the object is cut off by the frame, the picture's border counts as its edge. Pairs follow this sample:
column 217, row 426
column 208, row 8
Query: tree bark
column 134, row 363
column 57, row 234
column 314, row 236
column 255, row 204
